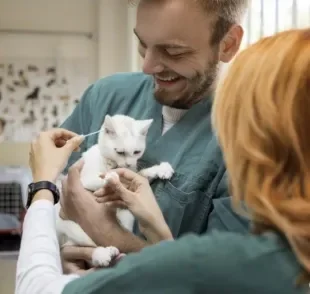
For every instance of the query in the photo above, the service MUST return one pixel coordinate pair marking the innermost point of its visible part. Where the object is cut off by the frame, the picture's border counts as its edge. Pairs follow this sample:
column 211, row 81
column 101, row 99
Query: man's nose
column 152, row 63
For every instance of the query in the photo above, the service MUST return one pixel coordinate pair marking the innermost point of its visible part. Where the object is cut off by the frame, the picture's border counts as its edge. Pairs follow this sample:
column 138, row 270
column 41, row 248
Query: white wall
column 134, row 57
column 113, row 48
column 45, row 15
column 111, row 22
column 75, row 15
column 113, row 43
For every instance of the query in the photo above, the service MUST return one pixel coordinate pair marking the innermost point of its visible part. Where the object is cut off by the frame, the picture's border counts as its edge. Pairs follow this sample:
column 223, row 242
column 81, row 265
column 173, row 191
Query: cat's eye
column 137, row 152
column 122, row 153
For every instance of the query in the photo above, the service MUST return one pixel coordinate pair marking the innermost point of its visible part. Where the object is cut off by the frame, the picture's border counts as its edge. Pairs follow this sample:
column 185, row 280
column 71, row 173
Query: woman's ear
column 230, row 44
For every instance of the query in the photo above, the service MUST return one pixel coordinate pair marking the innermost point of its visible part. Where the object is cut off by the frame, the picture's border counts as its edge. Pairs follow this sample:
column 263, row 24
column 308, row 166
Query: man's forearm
column 109, row 233
column 114, row 235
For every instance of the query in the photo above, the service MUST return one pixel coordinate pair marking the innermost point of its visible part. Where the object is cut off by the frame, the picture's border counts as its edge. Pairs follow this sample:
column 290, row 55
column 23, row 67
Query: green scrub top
column 194, row 200
column 189, row 146
column 217, row 263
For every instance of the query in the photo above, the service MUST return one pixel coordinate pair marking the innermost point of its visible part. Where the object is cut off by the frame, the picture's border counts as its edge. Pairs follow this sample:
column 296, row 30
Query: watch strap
column 33, row 188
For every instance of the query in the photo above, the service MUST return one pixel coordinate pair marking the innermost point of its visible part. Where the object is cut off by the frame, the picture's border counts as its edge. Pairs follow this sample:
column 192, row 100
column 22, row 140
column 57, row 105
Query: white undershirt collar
column 171, row 116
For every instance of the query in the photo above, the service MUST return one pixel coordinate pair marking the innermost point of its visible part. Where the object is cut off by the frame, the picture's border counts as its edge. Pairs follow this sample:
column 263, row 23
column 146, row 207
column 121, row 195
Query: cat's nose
column 127, row 165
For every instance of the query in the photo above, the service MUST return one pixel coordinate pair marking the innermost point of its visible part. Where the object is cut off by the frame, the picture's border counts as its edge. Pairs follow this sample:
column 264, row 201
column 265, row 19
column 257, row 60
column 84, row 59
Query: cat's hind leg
column 103, row 256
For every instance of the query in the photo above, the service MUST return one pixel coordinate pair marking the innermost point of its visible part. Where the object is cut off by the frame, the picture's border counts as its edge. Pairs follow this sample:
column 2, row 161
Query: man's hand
column 70, row 206
column 79, row 204
column 96, row 219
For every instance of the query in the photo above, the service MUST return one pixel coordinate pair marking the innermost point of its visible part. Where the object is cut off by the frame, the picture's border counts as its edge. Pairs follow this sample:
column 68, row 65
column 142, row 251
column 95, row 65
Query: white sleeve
column 39, row 269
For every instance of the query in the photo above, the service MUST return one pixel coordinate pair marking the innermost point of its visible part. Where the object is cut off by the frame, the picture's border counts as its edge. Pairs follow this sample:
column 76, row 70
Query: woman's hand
column 50, row 152
column 127, row 189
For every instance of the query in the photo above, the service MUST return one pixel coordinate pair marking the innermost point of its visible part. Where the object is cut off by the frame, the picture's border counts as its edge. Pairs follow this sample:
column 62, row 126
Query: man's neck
column 171, row 116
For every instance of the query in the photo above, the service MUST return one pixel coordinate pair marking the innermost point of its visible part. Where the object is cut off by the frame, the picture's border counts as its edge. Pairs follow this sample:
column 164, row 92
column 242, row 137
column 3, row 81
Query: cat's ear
column 144, row 126
column 108, row 125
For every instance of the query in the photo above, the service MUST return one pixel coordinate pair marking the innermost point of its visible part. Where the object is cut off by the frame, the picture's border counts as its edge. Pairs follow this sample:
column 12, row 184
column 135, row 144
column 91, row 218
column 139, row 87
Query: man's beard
column 201, row 87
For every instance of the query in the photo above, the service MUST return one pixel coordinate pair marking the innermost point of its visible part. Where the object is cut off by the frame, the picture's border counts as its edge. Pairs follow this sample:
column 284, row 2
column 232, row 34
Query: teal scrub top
column 189, row 146
column 217, row 263
column 195, row 200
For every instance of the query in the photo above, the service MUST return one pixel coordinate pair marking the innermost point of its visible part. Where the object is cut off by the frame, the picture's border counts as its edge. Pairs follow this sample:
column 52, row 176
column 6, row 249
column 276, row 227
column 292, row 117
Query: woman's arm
column 39, row 267
column 157, row 233
column 137, row 196
column 191, row 264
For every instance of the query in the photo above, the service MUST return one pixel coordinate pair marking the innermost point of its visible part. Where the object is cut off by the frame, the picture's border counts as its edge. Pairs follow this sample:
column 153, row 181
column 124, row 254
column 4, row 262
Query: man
column 182, row 43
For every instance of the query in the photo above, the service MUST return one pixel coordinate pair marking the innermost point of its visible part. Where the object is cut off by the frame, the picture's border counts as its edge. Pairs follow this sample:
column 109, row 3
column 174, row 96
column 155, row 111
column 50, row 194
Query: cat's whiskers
column 140, row 166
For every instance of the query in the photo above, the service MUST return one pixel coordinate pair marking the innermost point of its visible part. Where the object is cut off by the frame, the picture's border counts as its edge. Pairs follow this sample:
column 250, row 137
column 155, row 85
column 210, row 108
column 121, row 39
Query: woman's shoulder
column 230, row 246
column 226, row 262
column 247, row 262
column 215, row 263
column 226, row 247
column 246, row 244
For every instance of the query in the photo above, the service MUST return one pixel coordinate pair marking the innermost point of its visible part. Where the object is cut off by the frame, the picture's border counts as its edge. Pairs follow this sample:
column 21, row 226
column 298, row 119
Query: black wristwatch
column 33, row 188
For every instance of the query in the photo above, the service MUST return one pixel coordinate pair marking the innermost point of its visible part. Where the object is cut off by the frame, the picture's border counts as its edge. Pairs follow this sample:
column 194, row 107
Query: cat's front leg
column 102, row 256
column 93, row 183
column 162, row 171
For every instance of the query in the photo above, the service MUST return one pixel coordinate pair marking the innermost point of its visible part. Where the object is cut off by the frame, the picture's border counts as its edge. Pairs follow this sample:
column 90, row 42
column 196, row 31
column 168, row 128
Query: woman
column 261, row 113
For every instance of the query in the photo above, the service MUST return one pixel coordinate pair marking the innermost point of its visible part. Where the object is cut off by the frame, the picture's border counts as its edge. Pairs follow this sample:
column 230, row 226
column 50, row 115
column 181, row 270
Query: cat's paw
column 110, row 176
column 92, row 183
column 165, row 171
column 102, row 256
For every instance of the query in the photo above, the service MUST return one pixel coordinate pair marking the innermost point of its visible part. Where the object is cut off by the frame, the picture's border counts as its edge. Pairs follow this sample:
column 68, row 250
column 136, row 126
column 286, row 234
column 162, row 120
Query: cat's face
column 123, row 140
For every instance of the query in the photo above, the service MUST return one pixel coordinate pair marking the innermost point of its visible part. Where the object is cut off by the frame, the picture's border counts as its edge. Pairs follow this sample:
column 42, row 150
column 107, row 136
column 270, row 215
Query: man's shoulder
column 125, row 76
column 120, row 88
column 248, row 262
column 123, row 81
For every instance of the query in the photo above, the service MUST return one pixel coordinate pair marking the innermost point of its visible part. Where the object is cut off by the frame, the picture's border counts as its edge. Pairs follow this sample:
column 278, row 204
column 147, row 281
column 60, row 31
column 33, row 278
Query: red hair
column 262, row 114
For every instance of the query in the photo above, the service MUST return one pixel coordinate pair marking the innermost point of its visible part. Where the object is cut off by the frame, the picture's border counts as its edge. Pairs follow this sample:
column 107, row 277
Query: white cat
column 121, row 143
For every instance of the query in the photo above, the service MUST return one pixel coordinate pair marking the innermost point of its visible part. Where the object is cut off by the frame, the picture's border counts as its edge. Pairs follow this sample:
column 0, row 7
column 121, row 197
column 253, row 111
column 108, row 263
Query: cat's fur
column 121, row 143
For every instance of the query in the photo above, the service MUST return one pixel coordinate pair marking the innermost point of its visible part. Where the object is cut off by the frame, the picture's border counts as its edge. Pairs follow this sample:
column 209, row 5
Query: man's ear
column 230, row 44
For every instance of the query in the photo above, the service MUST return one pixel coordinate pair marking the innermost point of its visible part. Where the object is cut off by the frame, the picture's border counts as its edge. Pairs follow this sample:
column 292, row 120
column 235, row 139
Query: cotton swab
column 93, row 133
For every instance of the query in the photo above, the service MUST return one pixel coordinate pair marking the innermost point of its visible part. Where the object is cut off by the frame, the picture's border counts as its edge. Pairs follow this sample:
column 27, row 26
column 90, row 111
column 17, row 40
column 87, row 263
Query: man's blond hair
column 224, row 13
